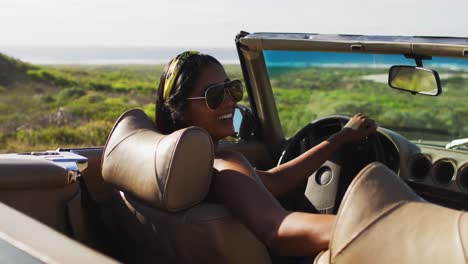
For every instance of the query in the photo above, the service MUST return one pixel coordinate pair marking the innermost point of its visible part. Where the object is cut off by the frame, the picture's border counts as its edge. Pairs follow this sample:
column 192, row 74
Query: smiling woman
column 188, row 77
column 281, row 190
column 195, row 91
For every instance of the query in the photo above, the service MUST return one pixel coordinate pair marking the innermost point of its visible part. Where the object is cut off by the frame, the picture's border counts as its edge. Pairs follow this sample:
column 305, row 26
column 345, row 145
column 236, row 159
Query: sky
column 214, row 23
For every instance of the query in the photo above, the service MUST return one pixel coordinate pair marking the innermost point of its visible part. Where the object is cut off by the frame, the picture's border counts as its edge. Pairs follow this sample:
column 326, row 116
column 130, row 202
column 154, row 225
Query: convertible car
column 399, row 195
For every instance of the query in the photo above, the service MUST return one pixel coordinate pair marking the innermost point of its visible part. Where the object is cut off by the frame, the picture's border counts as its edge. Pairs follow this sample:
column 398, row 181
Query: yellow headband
column 173, row 71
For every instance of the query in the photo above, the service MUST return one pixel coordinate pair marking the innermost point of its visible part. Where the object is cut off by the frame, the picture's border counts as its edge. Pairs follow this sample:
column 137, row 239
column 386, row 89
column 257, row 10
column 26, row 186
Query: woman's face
column 218, row 122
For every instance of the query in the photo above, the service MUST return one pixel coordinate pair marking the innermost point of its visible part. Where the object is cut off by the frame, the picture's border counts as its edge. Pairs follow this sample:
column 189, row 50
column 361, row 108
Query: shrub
column 51, row 76
column 93, row 133
column 47, row 99
column 70, row 93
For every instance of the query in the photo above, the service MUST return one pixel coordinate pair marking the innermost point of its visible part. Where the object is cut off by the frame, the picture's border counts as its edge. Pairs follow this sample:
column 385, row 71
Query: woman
column 194, row 90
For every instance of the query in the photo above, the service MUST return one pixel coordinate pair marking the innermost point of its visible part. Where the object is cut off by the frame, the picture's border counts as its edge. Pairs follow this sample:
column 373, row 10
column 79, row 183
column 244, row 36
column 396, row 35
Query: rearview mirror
column 416, row 80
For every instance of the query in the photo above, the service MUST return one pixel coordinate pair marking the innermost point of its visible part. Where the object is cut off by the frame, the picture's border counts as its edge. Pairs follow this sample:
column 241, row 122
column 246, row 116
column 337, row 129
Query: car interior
column 141, row 198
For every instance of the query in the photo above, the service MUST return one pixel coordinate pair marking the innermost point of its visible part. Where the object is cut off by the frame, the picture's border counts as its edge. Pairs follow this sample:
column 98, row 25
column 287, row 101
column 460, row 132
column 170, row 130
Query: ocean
column 100, row 55
column 304, row 59
column 109, row 55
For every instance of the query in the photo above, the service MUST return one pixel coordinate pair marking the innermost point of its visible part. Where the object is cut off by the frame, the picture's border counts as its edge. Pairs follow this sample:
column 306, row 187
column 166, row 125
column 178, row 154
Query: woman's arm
column 285, row 177
column 288, row 233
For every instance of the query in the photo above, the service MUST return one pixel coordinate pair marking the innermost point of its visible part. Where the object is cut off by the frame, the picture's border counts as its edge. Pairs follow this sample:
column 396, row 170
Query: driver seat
column 162, row 181
column 382, row 220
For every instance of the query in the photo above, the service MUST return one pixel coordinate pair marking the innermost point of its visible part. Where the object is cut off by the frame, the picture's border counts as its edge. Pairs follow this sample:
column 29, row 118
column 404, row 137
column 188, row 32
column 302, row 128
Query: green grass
column 47, row 107
column 444, row 116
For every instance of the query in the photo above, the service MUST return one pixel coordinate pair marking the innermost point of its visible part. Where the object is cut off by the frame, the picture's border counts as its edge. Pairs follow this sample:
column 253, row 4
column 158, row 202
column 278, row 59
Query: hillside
column 12, row 70
column 47, row 107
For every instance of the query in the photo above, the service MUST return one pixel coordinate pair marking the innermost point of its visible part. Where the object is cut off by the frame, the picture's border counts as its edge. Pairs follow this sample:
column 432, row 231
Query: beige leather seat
column 39, row 188
column 162, row 181
column 381, row 220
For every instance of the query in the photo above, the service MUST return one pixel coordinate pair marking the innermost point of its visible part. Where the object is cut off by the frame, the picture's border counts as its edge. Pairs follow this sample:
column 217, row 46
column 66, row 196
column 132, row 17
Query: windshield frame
column 251, row 46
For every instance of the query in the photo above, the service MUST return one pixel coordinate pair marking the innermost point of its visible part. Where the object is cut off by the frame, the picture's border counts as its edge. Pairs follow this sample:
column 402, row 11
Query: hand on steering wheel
column 358, row 127
column 326, row 186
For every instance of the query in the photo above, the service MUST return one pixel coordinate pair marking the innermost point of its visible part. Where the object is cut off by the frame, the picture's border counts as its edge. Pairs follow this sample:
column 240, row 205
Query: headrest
column 381, row 220
column 170, row 172
column 376, row 190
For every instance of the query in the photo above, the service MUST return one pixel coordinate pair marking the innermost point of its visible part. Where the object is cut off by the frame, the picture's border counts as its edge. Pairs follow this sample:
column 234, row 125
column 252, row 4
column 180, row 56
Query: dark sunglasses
column 214, row 95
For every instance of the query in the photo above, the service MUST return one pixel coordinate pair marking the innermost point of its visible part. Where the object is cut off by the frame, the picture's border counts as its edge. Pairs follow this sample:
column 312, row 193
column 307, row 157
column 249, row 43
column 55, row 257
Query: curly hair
column 169, row 110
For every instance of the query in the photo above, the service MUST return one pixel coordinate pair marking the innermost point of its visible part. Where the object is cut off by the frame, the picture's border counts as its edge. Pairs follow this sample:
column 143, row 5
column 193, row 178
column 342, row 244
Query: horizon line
column 108, row 46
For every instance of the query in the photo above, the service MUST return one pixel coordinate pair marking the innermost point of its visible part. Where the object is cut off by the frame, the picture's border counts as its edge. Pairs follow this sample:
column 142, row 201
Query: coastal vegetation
column 60, row 106
column 50, row 107
column 318, row 92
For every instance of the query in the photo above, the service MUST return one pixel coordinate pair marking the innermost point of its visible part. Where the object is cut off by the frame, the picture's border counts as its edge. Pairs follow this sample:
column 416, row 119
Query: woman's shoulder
column 227, row 158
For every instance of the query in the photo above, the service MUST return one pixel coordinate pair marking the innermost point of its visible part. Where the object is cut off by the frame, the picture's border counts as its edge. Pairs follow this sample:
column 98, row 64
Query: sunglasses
column 214, row 95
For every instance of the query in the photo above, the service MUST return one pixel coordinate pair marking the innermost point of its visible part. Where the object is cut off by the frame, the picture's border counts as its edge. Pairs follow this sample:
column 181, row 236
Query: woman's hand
column 358, row 127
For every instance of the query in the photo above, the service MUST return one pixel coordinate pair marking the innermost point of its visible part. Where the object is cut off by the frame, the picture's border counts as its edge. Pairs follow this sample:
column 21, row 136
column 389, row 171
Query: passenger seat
column 162, row 181
column 39, row 188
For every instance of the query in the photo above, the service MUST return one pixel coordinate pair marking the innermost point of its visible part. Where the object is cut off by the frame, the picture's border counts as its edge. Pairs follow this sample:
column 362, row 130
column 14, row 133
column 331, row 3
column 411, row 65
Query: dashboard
column 437, row 174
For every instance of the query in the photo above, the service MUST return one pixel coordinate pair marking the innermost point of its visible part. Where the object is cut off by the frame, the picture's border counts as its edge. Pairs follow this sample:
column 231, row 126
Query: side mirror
column 416, row 80
column 244, row 122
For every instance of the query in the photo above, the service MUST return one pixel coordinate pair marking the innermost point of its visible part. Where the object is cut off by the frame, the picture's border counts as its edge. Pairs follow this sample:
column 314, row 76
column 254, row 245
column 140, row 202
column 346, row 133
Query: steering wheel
column 326, row 186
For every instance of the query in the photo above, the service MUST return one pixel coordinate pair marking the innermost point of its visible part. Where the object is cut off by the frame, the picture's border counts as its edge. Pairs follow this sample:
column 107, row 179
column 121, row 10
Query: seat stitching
column 168, row 176
column 155, row 166
column 176, row 151
column 115, row 127
column 357, row 179
column 386, row 211
column 129, row 135
column 459, row 235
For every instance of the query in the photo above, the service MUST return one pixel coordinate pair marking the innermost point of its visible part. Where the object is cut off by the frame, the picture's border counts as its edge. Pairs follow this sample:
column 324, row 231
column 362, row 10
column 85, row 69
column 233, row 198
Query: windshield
column 310, row 85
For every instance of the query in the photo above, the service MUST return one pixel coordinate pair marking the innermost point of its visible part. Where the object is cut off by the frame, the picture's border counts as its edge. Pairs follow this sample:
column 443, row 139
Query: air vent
column 462, row 177
column 443, row 171
column 420, row 166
